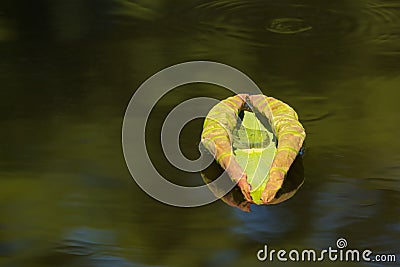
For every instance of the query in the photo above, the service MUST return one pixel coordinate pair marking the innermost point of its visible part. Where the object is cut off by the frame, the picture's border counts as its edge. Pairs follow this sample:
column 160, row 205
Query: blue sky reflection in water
column 69, row 68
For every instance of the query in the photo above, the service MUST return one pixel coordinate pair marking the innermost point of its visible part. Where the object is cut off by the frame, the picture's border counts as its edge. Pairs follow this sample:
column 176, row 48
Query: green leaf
column 254, row 148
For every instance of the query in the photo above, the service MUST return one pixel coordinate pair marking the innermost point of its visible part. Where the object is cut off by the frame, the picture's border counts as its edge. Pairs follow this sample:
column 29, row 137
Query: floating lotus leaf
column 255, row 156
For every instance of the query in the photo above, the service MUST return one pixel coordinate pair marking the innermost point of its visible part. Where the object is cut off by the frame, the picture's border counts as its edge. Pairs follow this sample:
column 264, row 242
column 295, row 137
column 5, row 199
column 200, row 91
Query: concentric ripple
column 258, row 22
column 288, row 26
column 263, row 23
column 384, row 24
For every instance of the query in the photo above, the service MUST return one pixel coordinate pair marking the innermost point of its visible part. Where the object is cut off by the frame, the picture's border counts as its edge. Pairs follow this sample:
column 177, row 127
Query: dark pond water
column 69, row 68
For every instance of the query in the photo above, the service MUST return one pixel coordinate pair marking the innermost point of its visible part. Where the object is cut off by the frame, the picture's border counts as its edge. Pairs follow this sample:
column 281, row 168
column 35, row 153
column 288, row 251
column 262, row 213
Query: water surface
column 69, row 68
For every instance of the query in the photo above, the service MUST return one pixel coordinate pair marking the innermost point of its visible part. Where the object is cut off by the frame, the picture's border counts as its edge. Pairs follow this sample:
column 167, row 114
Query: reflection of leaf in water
column 254, row 149
column 235, row 198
